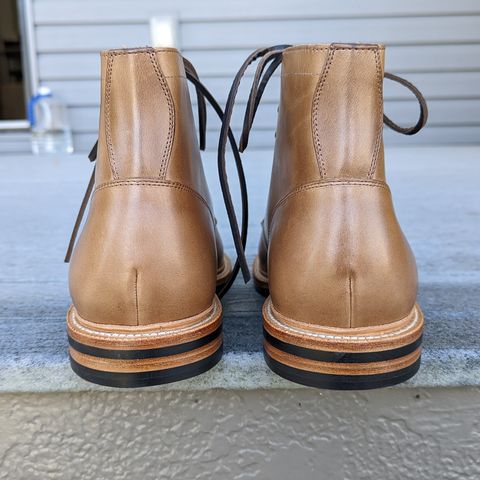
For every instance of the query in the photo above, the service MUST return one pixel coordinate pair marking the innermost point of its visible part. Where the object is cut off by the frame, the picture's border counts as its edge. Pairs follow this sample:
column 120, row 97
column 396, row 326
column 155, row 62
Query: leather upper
column 149, row 251
column 332, row 247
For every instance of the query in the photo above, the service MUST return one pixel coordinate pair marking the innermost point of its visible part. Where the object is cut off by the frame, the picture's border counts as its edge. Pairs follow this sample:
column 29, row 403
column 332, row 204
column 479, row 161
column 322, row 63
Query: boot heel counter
column 338, row 257
column 155, row 261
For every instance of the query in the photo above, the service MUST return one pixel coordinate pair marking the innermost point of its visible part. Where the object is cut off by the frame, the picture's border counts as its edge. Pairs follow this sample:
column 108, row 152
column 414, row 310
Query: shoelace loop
column 422, row 119
column 272, row 56
column 270, row 60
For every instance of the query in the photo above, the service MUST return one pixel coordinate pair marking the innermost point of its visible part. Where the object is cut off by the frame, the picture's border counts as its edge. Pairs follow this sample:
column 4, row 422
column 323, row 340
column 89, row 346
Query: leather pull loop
column 422, row 120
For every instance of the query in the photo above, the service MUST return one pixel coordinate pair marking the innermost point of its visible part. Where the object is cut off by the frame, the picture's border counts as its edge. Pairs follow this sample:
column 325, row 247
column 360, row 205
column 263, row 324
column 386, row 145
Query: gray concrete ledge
column 437, row 198
column 236, row 371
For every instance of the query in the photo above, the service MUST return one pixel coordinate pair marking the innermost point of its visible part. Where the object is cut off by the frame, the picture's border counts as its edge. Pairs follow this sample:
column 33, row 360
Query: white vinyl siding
column 433, row 43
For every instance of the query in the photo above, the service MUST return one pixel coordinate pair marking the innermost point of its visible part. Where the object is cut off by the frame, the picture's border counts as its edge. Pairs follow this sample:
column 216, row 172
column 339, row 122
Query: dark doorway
column 12, row 76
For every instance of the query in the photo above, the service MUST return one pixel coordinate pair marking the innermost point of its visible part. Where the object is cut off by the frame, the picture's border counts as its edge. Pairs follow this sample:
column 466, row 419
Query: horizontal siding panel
column 94, row 11
column 216, row 64
column 438, row 85
column 83, row 142
column 433, row 43
column 77, row 92
column 245, row 34
column 14, row 142
column 391, row 31
column 441, row 112
column 84, row 120
column 74, row 66
column 432, row 135
column 264, row 139
column 442, row 85
column 86, row 38
column 398, row 59
column 450, row 85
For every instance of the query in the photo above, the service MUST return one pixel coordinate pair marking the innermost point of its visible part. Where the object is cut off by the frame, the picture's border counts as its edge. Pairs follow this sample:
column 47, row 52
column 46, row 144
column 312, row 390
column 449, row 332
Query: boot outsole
column 343, row 358
column 340, row 358
column 146, row 379
column 140, row 356
column 342, row 382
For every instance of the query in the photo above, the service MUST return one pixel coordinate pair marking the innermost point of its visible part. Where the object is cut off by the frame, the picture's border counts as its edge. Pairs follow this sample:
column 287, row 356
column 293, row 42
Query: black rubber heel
column 341, row 382
column 146, row 379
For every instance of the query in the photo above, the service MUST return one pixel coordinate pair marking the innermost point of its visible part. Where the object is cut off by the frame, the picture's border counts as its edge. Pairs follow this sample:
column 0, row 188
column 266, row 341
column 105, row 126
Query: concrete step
column 239, row 420
column 437, row 201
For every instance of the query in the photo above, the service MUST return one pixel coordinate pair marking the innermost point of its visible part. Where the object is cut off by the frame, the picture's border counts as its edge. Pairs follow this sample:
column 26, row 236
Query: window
column 15, row 76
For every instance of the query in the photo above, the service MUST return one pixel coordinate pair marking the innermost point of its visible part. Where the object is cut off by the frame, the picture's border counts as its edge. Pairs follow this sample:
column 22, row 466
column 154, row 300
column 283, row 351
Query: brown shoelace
column 271, row 58
column 239, row 235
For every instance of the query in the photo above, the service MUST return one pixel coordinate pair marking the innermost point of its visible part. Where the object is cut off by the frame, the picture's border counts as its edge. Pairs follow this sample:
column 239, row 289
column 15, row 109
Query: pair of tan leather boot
column 148, row 269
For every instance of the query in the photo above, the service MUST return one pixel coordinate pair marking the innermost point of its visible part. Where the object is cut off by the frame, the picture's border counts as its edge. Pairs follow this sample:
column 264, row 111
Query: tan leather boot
column 146, row 267
column 342, row 279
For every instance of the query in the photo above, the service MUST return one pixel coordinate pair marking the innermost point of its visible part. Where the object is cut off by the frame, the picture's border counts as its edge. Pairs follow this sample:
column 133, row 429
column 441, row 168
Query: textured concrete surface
column 418, row 434
column 437, row 197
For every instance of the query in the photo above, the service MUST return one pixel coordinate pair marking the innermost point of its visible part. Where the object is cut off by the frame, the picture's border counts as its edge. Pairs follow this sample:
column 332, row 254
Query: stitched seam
column 315, row 49
column 327, row 336
column 136, row 296
column 155, row 183
column 171, row 113
column 79, row 328
column 107, row 113
column 332, row 183
column 316, row 101
column 139, row 51
column 373, row 165
column 350, row 305
column 311, row 49
column 302, row 74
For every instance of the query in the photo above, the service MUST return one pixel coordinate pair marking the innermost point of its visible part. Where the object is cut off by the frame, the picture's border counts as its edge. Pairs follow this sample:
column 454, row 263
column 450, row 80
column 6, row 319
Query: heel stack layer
column 340, row 358
column 146, row 378
column 135, row 356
